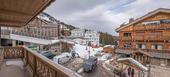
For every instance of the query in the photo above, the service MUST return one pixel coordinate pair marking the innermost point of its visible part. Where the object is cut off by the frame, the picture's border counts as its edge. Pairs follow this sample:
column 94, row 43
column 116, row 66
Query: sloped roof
column 128, row 61
column 151, row 54
column 144, row 17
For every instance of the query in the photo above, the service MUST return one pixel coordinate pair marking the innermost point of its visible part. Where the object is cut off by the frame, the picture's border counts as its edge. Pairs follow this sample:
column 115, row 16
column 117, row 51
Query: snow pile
column 80, row 70
column 18, row 63
column 81, row 50
column 104, row 57
column 53, row 41
column 66, row 53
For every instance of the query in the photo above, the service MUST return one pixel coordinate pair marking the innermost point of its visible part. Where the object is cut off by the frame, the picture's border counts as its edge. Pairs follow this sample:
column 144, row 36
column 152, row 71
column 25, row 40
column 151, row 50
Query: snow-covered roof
column 111, row 46
column 55, row 41
column 136, row 63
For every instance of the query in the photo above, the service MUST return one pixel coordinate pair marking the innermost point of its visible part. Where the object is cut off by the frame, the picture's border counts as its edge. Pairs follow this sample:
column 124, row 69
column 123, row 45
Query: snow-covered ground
column 18, row 63
column 83, row 52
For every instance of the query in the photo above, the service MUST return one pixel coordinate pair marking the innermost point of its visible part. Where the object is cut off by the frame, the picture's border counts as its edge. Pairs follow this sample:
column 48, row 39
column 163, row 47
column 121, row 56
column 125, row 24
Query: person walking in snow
column 132, row 73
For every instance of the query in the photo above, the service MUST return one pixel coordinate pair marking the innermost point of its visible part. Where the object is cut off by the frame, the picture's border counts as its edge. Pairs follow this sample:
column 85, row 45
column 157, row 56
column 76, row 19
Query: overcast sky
column 102, row 15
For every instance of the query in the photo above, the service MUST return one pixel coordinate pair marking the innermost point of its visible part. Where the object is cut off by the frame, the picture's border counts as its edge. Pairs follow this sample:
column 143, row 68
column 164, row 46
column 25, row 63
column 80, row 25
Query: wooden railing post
column 34, row 66
column 26, row 57
column 54, row 73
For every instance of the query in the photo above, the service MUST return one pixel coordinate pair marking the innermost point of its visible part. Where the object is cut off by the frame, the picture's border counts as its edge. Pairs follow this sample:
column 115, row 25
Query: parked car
column 90, row 64
column 61, row 59
column 47, row 54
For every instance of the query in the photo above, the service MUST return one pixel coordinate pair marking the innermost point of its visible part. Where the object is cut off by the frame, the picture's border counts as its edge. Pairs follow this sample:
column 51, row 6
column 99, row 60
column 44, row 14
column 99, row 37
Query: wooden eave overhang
column 139, row 52
column 144, row 17
column 18, row 13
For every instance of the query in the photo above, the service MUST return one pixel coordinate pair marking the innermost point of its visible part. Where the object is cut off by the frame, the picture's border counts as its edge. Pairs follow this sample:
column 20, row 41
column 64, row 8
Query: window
column 145, row 23
column 156, row 46
column 127, row 44
column 138, row 24
column 164, row 21
column 140, row 46
column 154, row 22
column 127, row 34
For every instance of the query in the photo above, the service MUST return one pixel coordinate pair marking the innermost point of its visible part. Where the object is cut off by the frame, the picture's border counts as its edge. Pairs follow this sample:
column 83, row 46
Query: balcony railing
column 158, row 26
column 147, row 50
column 8, row 32
column 39, row 65
column 147, row 37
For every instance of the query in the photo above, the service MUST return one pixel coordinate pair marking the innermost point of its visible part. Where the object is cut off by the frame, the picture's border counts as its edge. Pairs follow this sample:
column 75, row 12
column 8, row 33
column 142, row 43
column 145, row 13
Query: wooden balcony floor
column 11, row 70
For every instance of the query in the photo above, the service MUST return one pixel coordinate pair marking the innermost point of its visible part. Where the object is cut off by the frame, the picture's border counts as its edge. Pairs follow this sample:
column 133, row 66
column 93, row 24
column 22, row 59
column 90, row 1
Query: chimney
column 131, row 19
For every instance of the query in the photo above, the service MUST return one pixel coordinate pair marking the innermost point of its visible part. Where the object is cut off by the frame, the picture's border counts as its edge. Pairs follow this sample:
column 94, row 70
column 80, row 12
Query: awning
column 18, row 13
column 132, row 63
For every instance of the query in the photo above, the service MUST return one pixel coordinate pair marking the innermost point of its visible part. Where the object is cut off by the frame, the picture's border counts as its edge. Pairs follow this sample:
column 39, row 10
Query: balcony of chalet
column 146, row 37
column 143, row 49
column 28, row 63
column 153, row 26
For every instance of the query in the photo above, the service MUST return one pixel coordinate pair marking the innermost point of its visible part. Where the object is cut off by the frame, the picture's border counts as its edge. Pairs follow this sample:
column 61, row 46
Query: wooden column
column 139, row 73
column 166, row 62
column 139, row 58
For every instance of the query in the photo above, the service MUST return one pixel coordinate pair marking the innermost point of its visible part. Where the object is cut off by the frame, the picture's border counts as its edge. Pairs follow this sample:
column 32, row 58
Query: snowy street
column 98, row 72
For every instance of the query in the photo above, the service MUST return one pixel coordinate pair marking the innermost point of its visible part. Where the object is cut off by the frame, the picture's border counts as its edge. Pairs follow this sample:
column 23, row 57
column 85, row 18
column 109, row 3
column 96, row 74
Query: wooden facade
column 108, row 49
column 150, row 32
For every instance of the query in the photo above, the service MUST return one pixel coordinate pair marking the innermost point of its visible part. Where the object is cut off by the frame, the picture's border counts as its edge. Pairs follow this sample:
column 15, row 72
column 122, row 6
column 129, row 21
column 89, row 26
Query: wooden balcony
column 147, row 27
column 151, row 37
column 39, row 65
column 147, row 50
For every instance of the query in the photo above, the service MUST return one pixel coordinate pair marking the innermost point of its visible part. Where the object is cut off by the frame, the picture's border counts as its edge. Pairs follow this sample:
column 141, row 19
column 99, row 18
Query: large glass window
column 156, row 46
column 127, row 44
column 138, row 24
column 140, row 46
column 145, row 23
column 154, row 22
column 127, row 34
column 164, row 21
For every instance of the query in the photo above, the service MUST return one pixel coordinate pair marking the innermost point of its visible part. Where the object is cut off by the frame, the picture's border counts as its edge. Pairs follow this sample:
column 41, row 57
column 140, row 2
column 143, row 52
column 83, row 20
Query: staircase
column 26, row 37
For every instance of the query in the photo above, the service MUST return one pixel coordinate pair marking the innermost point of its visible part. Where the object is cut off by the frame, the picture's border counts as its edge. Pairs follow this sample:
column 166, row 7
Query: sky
column 102, row 15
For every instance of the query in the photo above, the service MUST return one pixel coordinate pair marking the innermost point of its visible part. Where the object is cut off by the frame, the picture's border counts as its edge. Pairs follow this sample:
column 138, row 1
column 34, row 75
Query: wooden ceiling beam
column 11, row 25
column 12, row 13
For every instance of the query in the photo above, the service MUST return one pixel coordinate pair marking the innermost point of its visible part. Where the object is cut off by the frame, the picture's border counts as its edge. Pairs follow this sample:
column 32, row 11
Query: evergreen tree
column 89, row 44
column 66, row 48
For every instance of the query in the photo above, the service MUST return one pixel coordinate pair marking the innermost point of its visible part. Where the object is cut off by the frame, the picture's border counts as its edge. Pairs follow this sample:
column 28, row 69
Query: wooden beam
column 11, row 25
column 12, row 13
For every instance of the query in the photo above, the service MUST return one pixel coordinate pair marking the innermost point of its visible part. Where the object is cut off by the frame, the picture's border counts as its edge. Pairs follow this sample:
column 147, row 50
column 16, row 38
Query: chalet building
column 66, row 32
column 59, row 45
column 146, row 38
column 108, row 48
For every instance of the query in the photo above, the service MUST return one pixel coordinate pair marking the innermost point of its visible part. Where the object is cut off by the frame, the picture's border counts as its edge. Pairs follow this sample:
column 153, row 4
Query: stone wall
column 1, row 57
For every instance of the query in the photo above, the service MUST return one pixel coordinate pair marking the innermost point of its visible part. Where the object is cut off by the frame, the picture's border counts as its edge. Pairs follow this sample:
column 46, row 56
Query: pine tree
column 66, row 48
column 89, row 44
